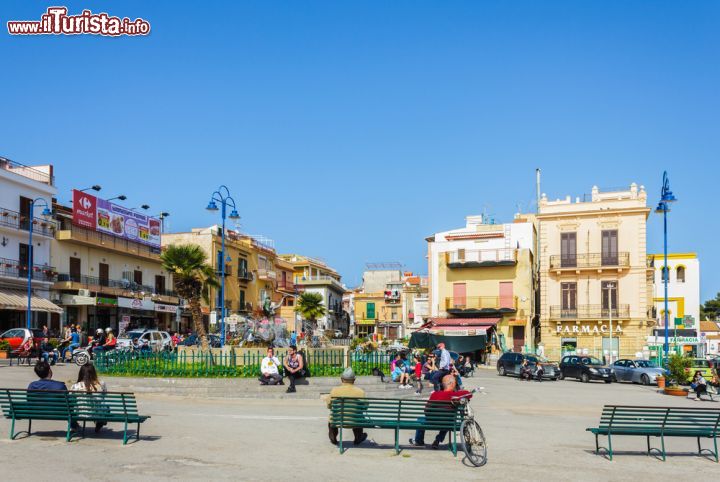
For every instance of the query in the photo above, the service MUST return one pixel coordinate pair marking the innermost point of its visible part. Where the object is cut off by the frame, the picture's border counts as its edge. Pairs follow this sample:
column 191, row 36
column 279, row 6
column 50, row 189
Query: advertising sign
column 165, row 308
column 100, row 215
column 136, row 304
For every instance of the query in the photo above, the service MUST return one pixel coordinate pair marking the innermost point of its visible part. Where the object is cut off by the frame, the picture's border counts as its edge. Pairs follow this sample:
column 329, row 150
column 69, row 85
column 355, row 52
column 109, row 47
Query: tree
column 310, row 306
column 711, row 309
column 192, row 279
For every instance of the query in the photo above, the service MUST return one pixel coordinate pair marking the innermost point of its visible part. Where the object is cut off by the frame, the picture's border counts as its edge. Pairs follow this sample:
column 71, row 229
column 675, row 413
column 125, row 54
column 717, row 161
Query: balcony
column 591, row 261
column 319, row 280
column 26, row 171
column 266, row 274
column 67, row 281
column 480, row 305
column 478, row 258
column 286, row 285
column 12, row 268
column 245, row 275
column 589, row 312
column 15, row 220
column 95, row 239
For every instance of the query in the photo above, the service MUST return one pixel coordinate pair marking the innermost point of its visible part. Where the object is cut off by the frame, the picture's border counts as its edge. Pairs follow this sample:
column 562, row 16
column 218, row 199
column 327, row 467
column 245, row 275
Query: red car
column 22, row 339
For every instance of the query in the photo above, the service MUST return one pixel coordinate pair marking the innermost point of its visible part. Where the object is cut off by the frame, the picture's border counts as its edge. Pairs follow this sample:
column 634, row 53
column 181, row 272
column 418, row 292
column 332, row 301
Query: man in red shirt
column 447, row 394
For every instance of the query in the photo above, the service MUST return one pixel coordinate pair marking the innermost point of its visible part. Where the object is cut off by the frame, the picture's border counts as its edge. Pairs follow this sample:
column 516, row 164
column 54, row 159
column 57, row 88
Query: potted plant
column 4, row 348
column 677, row 366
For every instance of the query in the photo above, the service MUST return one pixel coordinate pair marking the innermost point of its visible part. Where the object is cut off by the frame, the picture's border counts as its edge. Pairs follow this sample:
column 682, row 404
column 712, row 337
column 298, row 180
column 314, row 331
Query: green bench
column 396, row 414
column 658, row 422
column 70, row 407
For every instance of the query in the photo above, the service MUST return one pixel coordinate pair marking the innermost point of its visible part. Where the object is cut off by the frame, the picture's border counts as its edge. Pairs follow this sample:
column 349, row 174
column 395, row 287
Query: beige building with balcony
column 596, row 288
column 480, row 280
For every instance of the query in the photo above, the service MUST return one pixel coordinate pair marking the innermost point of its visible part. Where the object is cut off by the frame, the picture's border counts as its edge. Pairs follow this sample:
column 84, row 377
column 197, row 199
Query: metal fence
column 320, row 363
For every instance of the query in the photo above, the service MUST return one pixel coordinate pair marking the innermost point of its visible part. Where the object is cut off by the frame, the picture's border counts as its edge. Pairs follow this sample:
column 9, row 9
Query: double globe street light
column 222, row 196
column 666, row 198
column 31, row 252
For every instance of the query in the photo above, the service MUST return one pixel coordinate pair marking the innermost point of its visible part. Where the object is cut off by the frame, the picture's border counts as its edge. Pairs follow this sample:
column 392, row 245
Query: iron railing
column 479, row 257
column 108, row 241
column 589, row 312
column 92, row 282
column 481, row 303
column 245, row 275
column 14, row 219
column 26, row 171
column 591, row 260
column 13, row 268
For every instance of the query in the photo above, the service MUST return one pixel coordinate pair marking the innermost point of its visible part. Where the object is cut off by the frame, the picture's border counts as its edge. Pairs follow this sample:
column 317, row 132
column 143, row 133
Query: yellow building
column 106, row 281
column 596, row 287
column 315, row 276
column 480, row 281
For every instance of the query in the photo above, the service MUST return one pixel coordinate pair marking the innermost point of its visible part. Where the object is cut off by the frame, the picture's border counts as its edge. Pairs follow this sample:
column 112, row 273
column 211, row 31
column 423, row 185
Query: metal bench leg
column 648, row 444
column 699, row 447
column 597, row 446
column 125, row 437
column 29, row 426
column 610, row 446
column 137, row 434
column 12, row 429
column 662, row 439
column 397, row 441
column 340, row 442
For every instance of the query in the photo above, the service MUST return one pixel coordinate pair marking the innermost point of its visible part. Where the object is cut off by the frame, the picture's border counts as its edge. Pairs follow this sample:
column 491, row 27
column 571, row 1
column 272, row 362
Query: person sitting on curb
column 269, row 372
column 294, row 368
column 447, row 394
column 347, row 389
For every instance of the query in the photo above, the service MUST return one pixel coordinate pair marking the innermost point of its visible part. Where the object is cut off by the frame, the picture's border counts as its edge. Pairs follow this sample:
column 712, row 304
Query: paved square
column 535, row 431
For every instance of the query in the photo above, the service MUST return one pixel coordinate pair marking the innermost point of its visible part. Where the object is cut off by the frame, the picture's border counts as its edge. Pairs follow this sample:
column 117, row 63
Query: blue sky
column 352, row 130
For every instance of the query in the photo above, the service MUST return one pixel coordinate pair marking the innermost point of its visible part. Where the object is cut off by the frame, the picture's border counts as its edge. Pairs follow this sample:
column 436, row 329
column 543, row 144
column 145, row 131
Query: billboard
column 103, row 216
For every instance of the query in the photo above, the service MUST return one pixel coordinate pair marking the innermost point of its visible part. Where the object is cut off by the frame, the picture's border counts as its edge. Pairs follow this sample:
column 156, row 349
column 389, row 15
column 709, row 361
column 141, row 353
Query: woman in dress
column 88, row 382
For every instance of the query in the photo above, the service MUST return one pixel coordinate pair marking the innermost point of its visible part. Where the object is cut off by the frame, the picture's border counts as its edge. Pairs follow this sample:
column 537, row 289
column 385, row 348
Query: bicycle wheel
column 473, row 442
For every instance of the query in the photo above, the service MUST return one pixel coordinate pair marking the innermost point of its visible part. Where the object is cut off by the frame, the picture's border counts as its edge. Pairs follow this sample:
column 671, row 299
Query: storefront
column 683, row 341
column 626, row 339
column 13, row 310
column 364, row 328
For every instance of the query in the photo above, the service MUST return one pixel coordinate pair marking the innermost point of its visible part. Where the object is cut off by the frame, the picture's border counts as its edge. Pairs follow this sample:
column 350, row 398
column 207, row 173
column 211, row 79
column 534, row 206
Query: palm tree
column 192, row 279
column 310, row 306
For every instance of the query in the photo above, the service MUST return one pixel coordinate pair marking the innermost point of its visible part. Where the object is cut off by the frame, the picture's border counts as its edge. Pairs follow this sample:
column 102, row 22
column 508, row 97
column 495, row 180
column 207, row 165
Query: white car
column 155, row 340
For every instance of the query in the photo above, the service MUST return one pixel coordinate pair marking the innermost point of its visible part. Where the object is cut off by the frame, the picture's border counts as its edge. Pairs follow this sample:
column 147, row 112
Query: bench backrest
column 395, row 412
column 678, row 418
column 60, row 404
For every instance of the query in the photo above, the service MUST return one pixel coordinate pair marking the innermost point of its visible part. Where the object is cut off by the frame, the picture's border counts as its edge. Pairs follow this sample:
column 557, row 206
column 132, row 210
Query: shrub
column 4, row 345
column 677, row 367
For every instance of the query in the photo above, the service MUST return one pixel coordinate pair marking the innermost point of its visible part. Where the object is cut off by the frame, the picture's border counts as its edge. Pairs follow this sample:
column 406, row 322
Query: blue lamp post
column 31, row 253
column 222, row 196
column 666, row 198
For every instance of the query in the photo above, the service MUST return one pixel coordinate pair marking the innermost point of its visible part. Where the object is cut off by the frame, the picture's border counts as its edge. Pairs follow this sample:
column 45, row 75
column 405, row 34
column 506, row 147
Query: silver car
column 637, row 371
column 154, row 340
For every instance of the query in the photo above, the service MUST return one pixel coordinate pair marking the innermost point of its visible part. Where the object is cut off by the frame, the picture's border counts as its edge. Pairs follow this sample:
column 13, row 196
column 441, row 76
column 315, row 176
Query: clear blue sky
column 353, row 130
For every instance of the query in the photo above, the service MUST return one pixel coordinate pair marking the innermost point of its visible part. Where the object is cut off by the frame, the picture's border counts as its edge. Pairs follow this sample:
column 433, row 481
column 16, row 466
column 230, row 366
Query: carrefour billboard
column 100, row 215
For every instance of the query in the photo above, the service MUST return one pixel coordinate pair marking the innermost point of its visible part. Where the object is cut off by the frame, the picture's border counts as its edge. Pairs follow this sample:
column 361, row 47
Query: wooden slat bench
column 396, row 414
column 70, row 407
column 658, row 422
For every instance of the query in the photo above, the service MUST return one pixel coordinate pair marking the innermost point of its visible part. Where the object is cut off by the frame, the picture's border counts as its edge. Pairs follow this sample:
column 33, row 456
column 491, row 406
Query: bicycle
column 472, row 438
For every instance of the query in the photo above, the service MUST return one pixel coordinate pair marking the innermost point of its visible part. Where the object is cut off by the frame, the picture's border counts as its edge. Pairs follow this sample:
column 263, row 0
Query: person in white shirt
column 269, row 369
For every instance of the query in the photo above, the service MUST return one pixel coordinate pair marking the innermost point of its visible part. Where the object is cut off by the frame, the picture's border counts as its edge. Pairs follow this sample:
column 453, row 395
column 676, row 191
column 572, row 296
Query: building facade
column 415, row 307
column 480, row 279
column 378, row 304
column 19, row 186
column 596, row 286
column 683, row 289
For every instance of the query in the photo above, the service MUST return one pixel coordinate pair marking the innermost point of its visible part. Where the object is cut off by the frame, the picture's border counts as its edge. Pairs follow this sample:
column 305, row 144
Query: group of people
column 430, row 368
column 87, row 381
column 700, row 385
column 293, row 368
column 526, row 371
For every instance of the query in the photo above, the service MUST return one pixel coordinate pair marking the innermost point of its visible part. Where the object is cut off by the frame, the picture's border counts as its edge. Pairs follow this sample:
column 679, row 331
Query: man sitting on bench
column 448, row 392
column 347, row 389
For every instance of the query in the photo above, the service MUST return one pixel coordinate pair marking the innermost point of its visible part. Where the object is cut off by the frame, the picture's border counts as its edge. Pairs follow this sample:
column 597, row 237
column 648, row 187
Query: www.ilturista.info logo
column 57, row 22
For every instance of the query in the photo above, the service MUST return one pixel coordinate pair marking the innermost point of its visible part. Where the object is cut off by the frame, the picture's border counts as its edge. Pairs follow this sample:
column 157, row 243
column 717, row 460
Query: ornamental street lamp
column 666, row 198
column 222, row 196
column 31, row 253
column 121, row 197
column 94, row 187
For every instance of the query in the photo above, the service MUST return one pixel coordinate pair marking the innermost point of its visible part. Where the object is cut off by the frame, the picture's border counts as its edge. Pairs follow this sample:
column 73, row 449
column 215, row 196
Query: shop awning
column 444, row 323
column 459, row 344
column 17, row 300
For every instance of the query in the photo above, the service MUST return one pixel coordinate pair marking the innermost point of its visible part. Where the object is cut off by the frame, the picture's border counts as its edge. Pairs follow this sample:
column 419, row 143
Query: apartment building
column 19, row 186
column 480, row 280
column 596, row 286
column 415, row 306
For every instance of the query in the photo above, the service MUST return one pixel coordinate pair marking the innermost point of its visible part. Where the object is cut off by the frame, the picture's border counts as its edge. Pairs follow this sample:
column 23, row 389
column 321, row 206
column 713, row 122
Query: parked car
column 637, row 371
column 509, row 364
column 156, row 340
column 585, row 368
column 17, row 337
column 192, row 340
column 699, row 365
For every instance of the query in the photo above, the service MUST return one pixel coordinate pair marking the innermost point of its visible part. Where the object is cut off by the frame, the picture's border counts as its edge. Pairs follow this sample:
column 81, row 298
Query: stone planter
column 675, row 391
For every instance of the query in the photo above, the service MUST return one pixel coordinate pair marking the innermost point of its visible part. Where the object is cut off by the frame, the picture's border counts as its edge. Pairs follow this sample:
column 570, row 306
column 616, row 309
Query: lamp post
column 162, row 217
column 222, row 196
column 666, row 198
column 31, row 253
column 610, row 287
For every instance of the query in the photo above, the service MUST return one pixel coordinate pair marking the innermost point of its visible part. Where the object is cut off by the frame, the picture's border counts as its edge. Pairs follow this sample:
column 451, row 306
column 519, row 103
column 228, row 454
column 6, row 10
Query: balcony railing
column 266, row 274
column 286, row 285
column 14, row 219
column 591, row 260
column 26, row 171
column 245, row 275
column 489, row 303
column 480, row 257
column 12, row 268
column 589, row 312
column 94, row 238
column 96, row 284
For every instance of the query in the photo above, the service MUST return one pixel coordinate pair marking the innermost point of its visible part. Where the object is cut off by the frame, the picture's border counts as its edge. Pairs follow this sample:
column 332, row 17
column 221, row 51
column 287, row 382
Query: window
column 75, row 269
column 665, row 274
column 609, row 297
column 609, row 248
column 137, row 277
column 25, row 213
column 241, row 302
column 569, row 296
column 159, row 284
column 370, row 307
column 24, row 259
column 104, row 274
column 568, row 250
column 680, row 274
column 242, row 268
